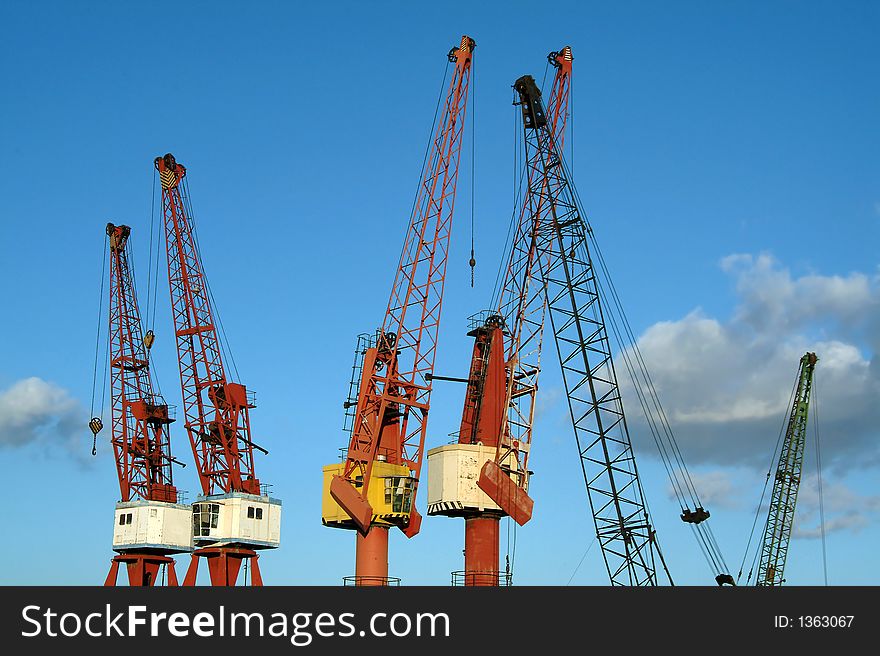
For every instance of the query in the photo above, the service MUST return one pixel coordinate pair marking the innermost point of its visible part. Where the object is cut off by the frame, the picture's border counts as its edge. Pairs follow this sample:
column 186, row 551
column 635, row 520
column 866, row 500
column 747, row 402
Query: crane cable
column 148, row 323
column 773, row 461
column 151, row 373
column 412, row 210
column 580, row 562
column 518, row 178
column 643, row 383
column 153, row 285
column 519, row 197
column 822, row 532
column 190, row 216
column 510, row 556
column 473, row 261
column 97, row 422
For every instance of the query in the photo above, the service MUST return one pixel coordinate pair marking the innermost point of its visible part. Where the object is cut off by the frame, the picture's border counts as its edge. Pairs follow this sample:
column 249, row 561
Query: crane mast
column 149, row 524
column 484, row 477
column 234, row 517
column 620, row 516
column 375, row 487
column 780, row 519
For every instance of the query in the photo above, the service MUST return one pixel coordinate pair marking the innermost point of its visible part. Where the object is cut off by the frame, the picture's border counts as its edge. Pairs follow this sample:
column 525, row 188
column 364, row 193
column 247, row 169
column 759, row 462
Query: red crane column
column 234, row 518
column 485, row 476
column 149, row 523
column 375, row 487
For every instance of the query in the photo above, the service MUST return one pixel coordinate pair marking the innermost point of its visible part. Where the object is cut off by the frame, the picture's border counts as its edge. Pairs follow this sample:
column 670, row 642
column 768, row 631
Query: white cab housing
column 237, row 518
column 453, row 472
column 155, row 525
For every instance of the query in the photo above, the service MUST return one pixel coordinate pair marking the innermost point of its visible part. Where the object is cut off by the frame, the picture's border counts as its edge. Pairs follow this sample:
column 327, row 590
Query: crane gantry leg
column 224, row 565
column 143, row 569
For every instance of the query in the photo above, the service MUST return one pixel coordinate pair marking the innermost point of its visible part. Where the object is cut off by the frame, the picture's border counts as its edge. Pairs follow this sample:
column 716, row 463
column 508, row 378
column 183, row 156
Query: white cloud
column 845, row 509
column 714, row 488
column 35, row 411
column 726, row 384
column 773, row 301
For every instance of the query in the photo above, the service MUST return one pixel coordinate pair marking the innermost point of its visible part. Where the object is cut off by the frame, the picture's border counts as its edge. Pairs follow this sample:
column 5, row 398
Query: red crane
column 375, row 487
column 149, row 524
column 234, row 518
column 484, row 477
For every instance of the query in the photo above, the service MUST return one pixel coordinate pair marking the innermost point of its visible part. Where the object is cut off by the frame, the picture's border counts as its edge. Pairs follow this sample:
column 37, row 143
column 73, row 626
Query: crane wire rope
column 773, row 461
column 580, row 562
column 190, row 216
column 681, row 479
column 424, row 160
column 473, row 260
column 152, row 285
column 98, row 347
column 520, row 198
column 822, row 531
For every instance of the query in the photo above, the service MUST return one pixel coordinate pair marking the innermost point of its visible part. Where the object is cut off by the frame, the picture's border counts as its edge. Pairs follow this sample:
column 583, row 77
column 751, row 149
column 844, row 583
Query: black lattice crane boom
column 622, row 524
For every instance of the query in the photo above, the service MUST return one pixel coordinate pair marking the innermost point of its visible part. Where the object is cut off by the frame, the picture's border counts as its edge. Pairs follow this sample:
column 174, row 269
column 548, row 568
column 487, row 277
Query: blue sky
column 726, row 154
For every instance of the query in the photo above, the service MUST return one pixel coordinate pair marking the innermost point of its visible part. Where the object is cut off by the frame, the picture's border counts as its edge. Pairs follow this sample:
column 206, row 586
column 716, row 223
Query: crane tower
column 374, row 488
column 235, row 517
column 780, row 519
column 484, row 476
column 150, row 525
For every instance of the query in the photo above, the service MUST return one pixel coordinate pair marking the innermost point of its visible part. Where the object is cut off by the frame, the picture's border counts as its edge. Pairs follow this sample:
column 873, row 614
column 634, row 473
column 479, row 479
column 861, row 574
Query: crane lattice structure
column 150, row 524
column 623, row 527
column 780, row 519
column 375, row 487
column 235, row 516
column 494, row 438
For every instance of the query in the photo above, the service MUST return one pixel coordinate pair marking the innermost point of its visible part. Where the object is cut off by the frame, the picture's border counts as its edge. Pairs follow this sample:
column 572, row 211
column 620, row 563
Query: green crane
column 777, row 532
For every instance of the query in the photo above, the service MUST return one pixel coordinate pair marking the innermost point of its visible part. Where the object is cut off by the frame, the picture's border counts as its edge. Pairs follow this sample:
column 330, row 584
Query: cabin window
column 205, row 517
column 398, row 493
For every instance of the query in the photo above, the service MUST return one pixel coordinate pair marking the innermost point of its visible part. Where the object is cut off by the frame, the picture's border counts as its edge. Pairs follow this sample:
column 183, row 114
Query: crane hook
column 95, row 424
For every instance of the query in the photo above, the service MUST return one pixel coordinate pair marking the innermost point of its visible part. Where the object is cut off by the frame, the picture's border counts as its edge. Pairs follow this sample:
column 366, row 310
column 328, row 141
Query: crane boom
column 149, row 523
column 140, row 418
column 215, row 409
column 780, row 519
column 234, row 517
column 494, row 438
column 620, row 515
column 391, row 410
column 522, row 304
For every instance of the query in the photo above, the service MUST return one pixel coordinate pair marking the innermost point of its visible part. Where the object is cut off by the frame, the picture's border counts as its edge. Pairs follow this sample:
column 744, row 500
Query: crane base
column 143, row 569
column 224, row 564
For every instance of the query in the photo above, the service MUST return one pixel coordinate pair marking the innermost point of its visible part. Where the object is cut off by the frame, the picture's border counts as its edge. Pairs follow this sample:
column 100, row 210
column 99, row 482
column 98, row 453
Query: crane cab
column 390, row 494
column 158, row 525
column 237, row 518
column 453, row 475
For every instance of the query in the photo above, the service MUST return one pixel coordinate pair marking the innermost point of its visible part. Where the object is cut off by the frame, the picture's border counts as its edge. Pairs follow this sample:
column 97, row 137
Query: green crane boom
column 777, row 532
